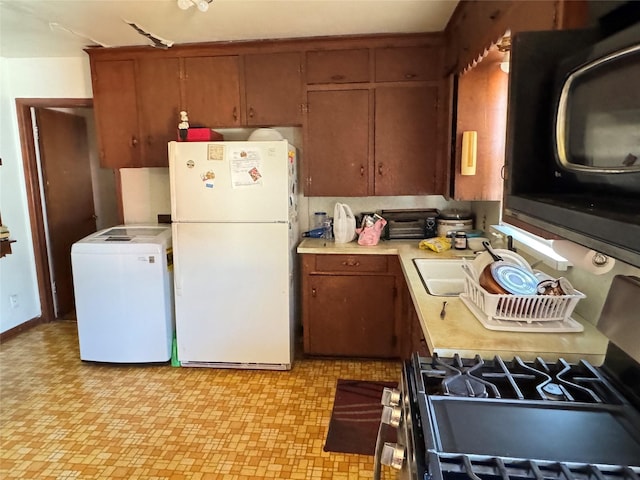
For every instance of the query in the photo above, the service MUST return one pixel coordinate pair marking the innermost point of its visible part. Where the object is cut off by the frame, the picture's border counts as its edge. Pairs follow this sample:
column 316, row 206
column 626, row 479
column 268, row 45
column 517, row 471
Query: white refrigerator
column 235, row 228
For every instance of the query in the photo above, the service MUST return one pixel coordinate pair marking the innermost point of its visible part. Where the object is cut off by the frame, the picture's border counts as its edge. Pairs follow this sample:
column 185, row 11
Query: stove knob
column 390, row 397
column 391, row 416
column 392, row 455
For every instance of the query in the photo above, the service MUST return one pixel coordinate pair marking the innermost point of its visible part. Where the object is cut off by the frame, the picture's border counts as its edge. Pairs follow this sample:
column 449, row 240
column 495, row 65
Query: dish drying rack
column 527, row 313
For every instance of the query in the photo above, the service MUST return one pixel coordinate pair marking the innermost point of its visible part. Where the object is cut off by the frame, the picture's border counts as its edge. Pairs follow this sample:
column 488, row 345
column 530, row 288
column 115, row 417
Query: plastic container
column 317, row 220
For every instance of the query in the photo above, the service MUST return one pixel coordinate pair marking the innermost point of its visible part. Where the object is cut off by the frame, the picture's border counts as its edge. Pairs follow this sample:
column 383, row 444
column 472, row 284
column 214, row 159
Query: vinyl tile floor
column 61, row 418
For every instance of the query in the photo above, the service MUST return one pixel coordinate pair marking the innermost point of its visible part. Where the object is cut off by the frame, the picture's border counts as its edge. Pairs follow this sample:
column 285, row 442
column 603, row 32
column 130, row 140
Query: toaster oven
column 410, row 223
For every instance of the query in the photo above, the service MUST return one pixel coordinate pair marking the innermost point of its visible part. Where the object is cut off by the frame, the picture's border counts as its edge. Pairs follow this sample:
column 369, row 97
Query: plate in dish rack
column 567, row 326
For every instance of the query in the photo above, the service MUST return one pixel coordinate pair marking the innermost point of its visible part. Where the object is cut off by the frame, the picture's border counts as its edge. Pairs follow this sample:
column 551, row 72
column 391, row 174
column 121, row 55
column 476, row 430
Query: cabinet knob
column 362, row 170
column 379, row 169
column 335, row 78
column 251, row 112
column 133, row 142
column 235, row 113
column 351, row 263
column 313, row 292
column 409, row 76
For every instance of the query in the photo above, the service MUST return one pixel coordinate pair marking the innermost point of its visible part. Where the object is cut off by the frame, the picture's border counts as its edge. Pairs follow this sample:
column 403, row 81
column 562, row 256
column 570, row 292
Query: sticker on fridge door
column 215, row 152
column 246, row 167
column 208, row 178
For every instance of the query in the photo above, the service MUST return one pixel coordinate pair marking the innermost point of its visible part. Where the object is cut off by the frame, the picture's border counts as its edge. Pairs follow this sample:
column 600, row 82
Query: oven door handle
column 377, row 459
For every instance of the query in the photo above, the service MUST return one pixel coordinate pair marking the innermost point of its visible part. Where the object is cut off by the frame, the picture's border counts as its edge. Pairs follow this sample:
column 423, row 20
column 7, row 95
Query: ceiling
column 63, row 28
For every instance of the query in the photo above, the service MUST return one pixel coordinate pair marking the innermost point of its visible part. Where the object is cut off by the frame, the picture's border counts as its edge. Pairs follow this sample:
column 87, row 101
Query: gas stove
column 497, row 418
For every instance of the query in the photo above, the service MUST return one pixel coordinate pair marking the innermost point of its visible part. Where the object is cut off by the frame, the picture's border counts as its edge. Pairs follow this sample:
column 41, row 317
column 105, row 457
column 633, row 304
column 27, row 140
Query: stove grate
column 476, row 467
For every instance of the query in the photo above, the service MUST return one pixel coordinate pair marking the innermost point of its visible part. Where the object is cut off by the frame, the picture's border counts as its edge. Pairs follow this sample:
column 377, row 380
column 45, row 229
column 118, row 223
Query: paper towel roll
column 583, row 258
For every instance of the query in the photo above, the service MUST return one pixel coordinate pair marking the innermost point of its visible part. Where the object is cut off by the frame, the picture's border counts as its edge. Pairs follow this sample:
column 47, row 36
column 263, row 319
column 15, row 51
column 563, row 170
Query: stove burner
column 553, row 391
column 463, row 385
column 458, row 379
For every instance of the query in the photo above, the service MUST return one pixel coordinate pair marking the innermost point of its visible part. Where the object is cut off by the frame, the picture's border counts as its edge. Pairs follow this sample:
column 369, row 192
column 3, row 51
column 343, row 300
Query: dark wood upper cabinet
column 157, row 78
column 327, row 85
column 116, row 112
column 384, row 137
column 273, row 88
column 133, row 125
column 400, row 64
column 212, row 90
column 337, row 143
column 337, row 66
column 406, row 138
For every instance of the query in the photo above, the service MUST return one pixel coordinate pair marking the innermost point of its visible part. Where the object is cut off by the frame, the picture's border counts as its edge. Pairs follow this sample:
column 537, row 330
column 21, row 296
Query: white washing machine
column 123, row 284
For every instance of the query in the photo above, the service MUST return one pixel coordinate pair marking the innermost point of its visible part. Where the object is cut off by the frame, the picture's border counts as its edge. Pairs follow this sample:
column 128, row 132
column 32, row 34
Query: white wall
column 26, row 78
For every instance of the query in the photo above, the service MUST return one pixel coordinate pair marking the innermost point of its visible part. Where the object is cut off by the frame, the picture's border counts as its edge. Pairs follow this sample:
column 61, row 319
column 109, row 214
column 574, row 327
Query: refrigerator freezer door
column 232, row 295
column 230, row 181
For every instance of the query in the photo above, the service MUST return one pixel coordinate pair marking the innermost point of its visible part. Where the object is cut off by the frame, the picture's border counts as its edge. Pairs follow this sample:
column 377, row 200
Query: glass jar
column 460, row 240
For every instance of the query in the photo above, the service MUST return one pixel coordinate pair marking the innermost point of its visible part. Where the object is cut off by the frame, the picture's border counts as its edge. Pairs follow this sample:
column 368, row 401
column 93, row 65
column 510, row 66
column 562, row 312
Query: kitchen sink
column 443, row 278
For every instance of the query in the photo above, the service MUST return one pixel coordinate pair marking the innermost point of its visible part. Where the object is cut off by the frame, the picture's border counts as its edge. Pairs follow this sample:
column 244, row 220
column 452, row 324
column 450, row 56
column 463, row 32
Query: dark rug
column 356, row 417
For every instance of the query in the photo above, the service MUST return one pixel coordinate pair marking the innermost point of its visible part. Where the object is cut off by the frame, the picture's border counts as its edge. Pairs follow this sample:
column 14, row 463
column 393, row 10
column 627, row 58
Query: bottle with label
column 460, row 240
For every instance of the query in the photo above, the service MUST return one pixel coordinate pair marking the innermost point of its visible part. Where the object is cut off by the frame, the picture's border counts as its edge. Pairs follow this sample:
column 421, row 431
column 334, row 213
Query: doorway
column 51, row 243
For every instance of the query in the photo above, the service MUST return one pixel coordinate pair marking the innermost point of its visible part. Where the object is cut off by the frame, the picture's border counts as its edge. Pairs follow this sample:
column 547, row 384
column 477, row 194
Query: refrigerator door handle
column 177, row 277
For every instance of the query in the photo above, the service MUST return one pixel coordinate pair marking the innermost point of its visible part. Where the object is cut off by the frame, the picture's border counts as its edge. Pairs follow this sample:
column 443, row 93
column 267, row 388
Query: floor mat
column 355, row 417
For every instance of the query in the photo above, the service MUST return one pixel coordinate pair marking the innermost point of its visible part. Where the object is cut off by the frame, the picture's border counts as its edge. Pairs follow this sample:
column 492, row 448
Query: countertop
column 461, row 332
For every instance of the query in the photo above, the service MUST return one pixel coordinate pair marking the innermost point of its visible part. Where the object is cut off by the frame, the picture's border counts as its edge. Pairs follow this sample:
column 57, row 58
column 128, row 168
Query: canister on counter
column 452, row 220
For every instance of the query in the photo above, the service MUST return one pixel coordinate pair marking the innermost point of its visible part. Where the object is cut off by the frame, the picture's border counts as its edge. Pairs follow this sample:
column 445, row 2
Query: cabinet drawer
column 338, row 66
column 401, row 64
column 352, row 263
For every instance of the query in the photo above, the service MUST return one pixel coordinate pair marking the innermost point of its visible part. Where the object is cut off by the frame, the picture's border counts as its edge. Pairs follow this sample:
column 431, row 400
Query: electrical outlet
column 13, row 301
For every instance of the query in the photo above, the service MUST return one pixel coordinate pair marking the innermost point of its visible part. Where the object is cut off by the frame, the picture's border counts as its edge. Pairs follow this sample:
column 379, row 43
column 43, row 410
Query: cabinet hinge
column 304, row 108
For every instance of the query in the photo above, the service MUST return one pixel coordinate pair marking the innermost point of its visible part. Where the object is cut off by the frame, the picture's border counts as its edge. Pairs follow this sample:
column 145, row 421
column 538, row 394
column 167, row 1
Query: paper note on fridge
column 246, row 167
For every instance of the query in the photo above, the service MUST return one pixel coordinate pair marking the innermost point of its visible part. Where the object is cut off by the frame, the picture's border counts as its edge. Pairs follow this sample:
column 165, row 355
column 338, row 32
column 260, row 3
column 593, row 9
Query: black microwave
column 573, row 135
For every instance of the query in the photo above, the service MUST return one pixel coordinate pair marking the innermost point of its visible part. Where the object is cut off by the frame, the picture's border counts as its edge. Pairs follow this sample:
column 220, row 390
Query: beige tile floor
column 64, row 419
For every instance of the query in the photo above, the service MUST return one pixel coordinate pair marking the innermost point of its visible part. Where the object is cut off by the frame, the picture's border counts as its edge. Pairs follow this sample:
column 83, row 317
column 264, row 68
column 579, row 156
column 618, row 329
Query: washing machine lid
column 125, row 233
column 126, row 238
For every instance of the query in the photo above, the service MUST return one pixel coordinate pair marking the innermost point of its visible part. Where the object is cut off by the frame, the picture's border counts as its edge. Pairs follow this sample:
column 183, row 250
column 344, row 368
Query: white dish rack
column 520, row 312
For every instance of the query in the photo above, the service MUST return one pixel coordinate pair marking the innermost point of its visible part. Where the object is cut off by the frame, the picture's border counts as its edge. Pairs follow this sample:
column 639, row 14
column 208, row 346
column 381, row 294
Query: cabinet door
column 273, row 86
column 212, row 91
column 407, row 64
column 351, row 316
column 159, row 105
column 482, row 107
column 406, row 140
column 116, row 112
column 338, row 66
column 337, row 143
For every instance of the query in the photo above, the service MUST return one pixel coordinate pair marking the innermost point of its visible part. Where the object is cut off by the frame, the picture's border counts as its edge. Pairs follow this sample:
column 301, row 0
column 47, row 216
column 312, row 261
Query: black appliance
column 474, row 418
column 410, row 223
column 573, row 133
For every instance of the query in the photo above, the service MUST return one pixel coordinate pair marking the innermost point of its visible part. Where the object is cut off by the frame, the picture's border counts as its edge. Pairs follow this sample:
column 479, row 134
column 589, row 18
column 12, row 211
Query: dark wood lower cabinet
column 415, row 341
column 352, row 305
